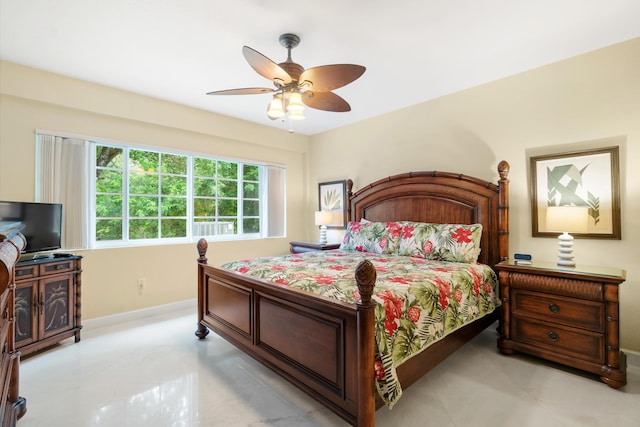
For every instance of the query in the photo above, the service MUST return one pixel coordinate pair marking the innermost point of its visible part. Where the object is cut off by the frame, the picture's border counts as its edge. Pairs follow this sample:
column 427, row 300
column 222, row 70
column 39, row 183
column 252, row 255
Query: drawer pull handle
column 554, row 308
column 553, row 336
column 61, row 266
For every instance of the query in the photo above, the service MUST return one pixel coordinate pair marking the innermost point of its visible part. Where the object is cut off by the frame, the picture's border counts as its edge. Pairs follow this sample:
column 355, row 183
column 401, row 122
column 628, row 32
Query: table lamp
column 323, row 218
column 567, row 219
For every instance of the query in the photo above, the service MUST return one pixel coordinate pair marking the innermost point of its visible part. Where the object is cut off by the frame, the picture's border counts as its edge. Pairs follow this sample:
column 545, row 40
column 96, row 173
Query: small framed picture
column 589, row 178
column 332, row 197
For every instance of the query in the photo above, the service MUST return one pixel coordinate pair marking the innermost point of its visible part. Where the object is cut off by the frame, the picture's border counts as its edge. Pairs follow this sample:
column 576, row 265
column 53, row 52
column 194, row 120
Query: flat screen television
column 42, row 223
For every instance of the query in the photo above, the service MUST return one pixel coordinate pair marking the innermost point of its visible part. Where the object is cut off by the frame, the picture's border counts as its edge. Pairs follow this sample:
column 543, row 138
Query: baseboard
column 112, row 319
column 633, row 358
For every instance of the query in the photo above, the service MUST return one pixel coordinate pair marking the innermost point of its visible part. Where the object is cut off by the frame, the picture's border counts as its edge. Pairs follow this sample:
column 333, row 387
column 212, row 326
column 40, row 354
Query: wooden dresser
column 566, row 315
column 12, row 406
column 48, row 302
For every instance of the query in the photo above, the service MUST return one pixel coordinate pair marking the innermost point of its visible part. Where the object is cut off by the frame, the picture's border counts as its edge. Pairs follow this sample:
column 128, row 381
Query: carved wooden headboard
column 441, row 197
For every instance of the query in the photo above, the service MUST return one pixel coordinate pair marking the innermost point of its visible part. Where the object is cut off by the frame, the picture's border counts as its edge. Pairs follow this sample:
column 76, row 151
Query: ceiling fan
column 295, row 86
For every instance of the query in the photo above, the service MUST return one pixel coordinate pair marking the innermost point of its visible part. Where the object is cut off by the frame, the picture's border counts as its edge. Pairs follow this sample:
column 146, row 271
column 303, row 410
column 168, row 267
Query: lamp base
column 323, row 235
column 565, row 250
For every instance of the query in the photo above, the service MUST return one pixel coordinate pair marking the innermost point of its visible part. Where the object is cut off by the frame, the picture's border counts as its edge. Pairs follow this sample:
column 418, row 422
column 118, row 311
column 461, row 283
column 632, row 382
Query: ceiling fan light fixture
column 275, row 110
column 295, row 107
column 292, row 81
column 295, row 102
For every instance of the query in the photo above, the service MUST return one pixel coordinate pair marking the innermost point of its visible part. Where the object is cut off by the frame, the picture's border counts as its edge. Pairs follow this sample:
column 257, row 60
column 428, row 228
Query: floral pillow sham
column 441, row 242
column 373, row 237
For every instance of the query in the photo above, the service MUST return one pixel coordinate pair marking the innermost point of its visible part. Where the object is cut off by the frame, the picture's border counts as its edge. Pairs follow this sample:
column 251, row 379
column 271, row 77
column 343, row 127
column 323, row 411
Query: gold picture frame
column 588, row 178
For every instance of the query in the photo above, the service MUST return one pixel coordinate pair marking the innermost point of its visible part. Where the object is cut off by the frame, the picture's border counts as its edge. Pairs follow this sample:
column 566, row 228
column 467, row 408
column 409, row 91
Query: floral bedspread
column 418, row 301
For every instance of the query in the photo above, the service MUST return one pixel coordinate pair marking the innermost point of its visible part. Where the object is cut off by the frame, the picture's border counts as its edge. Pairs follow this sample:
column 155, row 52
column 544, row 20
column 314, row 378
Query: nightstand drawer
column 556, row 338
column 567, row 311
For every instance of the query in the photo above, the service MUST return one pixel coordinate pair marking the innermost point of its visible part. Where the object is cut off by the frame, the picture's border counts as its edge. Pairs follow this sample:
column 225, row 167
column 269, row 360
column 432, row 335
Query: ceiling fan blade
column 264, row 66
column 329, row 77
column 243, row 91
column 327, row 101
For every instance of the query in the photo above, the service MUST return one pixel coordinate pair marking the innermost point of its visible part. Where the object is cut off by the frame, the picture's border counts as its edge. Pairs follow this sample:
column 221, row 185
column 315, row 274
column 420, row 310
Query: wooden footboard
column 323, row 346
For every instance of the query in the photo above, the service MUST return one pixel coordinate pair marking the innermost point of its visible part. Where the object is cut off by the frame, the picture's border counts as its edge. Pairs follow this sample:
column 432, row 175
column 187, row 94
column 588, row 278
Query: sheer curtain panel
column 63, row 175
column 276, row 201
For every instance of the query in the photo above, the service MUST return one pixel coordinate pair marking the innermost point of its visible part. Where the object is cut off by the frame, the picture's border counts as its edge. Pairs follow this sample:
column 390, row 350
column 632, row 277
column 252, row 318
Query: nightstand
column 300, row 247
column 566, row 315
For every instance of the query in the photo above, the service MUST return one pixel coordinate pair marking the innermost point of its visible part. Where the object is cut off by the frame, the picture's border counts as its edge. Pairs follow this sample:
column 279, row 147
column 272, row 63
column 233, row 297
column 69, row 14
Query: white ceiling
column 414, row 50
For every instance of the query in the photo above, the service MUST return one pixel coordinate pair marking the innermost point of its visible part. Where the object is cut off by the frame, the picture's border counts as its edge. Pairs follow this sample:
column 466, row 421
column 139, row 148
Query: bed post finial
column 202, row 246
column 349, row 195
column 503, row 215
column 503, row 169
column 366, row 280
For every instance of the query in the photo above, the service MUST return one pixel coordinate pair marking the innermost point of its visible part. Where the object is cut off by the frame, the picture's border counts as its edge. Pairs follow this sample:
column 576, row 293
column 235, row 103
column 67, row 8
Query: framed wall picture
column 332, row 196
column 589, row 178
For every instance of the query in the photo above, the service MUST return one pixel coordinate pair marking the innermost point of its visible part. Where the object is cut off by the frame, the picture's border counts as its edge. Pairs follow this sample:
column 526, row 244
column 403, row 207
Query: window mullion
column 159, row 217
column 190, row 195
column 240, row 198
column 125, row 196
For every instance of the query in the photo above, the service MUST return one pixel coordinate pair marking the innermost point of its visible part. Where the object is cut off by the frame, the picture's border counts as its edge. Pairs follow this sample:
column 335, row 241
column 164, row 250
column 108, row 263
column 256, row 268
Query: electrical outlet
column 140, row 285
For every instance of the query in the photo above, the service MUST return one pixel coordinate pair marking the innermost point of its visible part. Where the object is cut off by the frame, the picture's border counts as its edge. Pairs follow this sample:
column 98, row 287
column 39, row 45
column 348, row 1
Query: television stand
column 48, row 291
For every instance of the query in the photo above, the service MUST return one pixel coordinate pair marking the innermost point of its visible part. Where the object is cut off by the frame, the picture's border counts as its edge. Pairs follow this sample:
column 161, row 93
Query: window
column 144, row 196
column 223, row 193
column 155, row 205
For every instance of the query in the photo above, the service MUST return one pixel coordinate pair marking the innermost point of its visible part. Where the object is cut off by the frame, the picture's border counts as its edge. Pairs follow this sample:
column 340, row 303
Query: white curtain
column 276, row 200
column 63, row 175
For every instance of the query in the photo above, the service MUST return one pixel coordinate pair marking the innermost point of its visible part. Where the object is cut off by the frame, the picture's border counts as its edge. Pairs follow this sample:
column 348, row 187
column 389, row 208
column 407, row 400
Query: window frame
column 126, row 241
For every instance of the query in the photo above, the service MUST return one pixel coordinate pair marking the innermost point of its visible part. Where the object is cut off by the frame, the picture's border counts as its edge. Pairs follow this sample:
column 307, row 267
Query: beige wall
column 590, row 100
column 586, row 101
column 31, row 99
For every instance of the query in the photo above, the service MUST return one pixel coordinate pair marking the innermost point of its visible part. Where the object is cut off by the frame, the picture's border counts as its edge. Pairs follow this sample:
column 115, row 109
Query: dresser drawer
column 556, row 309
column 27, row 272
column 56, row 267
column 559, row 339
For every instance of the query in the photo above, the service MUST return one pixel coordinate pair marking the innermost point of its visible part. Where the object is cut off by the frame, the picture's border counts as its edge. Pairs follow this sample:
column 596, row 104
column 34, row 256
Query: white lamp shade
column 323, row 218
column 295, row 102
column 275, row 110
column 570, row 219
column 295, row 107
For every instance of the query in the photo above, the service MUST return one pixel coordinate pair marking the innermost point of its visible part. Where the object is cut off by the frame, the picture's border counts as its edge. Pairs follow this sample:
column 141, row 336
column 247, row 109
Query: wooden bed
column 326, row 347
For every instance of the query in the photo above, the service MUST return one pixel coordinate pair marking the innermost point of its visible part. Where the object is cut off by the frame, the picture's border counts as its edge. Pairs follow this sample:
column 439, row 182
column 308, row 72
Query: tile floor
column 154, row 372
